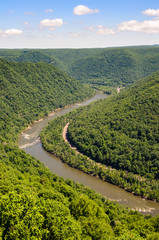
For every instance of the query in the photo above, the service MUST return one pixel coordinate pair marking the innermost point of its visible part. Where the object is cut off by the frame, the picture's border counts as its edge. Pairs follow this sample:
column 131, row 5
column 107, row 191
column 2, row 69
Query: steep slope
column 122, row 132
column 113, row 66
column 30, row 91
column 102, row 68
column 34, row 203
column 110, row 66
column 117, row 138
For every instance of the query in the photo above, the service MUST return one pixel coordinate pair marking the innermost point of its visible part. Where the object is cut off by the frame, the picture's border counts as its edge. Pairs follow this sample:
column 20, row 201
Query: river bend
column 29, row 140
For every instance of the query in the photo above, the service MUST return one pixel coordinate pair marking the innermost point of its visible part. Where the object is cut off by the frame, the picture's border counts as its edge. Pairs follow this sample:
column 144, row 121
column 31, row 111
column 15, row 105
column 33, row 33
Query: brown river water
column 29, row 141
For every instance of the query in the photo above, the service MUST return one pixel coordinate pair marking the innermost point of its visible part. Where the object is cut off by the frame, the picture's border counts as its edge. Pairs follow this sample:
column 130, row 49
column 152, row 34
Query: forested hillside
column 122, row 132
column 33, row 56
column 30, row 91
column 117, row 67
column 34, row 203
column 103, row 68
column 118, row 134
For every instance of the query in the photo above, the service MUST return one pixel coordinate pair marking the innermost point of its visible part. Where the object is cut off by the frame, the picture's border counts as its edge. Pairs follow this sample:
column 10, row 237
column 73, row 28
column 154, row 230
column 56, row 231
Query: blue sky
column 78, row 23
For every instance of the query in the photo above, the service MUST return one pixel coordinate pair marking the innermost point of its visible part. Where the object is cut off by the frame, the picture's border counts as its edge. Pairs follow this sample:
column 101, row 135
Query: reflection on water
column 30, row 142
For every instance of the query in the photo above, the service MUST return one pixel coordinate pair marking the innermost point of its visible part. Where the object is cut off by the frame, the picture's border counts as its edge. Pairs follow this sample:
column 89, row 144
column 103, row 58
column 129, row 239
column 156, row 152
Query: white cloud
column 104, row 31
column 101, row 30
column 26, row 23
column 151, row 26
column 11, row 32
column 30, row 13
column 48, row 10
column 50, row 35
column 51, row 23
column 75, row 35
column 83, row 10
column 151, row 12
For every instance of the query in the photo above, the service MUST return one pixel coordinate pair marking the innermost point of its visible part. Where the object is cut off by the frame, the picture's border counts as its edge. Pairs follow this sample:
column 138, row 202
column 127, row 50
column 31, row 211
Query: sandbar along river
column 30, row 142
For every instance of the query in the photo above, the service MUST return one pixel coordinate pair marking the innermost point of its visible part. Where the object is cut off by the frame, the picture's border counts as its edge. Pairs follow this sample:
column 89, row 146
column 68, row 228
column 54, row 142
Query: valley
column 118, row 132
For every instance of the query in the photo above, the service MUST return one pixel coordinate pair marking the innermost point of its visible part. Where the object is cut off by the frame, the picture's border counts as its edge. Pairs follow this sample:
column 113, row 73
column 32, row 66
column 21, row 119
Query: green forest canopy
column 111, row 67
column 34, row 203
column 122, row 131
column 30, row 91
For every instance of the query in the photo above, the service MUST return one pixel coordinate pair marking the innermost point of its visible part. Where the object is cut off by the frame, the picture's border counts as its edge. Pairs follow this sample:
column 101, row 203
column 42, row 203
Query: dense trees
column 30, row 91
column 104, row 69
column 36, row 204
column 122, row 132
column 119, row 132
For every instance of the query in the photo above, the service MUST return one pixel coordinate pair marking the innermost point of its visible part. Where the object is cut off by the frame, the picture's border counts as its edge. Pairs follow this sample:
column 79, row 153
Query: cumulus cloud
column 30, row 13
column 26, row 23
column 101, row 30
column 151, row 26
column 51, row 23
column 104, row 31
column 83, row 10
column 151, row 12
column 11, row 32
column 49, row 10
column 75, row 35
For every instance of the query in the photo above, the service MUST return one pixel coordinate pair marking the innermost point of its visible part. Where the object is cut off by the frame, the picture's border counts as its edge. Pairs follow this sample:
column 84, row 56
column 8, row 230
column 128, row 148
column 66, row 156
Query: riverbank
column 132, row 183
column 57, row 166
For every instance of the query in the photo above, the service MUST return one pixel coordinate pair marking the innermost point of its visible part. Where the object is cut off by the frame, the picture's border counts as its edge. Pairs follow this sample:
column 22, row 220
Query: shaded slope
column 122, row 132
column 110, row 67
column 30, row 91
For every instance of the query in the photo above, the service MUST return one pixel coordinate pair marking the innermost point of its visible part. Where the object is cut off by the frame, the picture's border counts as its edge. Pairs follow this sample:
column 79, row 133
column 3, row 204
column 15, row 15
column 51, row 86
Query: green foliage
column 36, row 204
column 122, row 132
column 104, row 131
column 116, row 66
column 30, row 91
column 108, row 67
column 29, row 55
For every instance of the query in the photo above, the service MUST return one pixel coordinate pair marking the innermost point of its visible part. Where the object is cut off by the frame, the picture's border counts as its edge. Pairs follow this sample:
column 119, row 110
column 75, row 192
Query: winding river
column 30, row 142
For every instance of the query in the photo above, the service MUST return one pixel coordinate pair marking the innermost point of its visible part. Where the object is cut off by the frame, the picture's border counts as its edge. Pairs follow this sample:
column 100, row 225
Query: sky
column 78, row 23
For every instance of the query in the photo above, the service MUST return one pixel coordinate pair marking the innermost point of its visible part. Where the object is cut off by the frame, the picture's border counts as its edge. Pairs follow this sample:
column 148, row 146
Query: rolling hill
column 103, row 68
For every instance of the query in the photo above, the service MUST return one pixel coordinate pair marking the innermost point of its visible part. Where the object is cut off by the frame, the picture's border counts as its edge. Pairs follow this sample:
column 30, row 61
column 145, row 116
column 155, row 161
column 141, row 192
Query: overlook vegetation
column 36, row 204
column 120, row 132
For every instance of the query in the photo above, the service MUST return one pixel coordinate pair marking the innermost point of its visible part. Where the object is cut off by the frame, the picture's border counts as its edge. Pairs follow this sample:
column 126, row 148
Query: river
column 29, row 140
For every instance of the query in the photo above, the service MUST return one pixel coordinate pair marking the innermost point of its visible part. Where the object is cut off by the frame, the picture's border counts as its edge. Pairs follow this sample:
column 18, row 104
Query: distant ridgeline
column 34, row 203
column 30, row 91
column 103, row 68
